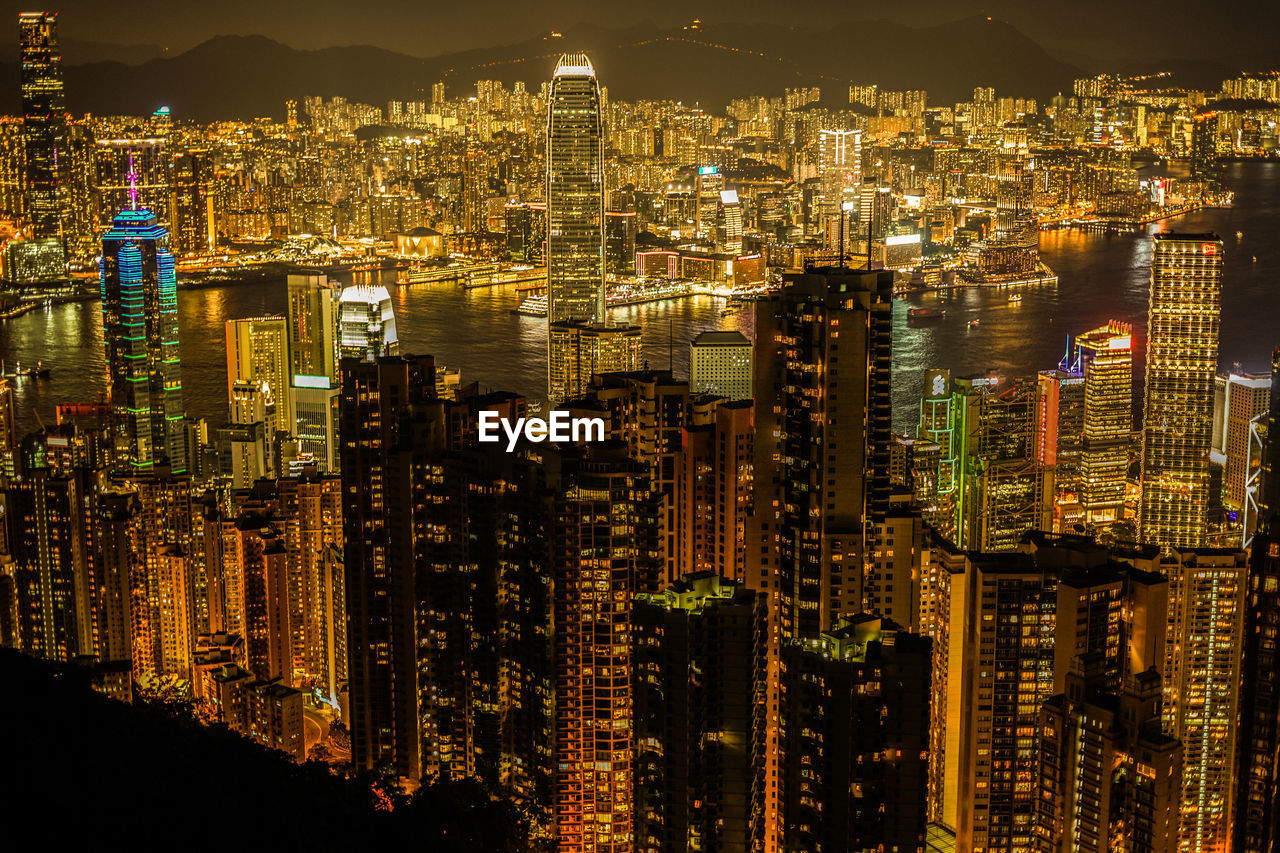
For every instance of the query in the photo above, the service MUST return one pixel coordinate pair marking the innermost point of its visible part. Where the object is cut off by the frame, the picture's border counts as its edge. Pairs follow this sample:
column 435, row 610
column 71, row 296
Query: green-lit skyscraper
column 140, row 327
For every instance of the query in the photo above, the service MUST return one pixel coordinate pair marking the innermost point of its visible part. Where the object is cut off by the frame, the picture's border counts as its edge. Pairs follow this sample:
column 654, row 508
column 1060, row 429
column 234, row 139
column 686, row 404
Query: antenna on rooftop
column 132, row 176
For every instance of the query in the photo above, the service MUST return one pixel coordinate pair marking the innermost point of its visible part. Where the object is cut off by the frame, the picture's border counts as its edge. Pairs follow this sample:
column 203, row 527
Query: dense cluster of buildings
column 751, row 618
column 946, row 190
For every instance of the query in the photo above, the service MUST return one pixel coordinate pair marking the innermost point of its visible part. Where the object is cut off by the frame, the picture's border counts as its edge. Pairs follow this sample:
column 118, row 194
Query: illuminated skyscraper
column 840, row 171
column 604, row 552
column 822, row 447
column 1257, row 814
column 1013, row 188
column 939, row 479
column 45, row 134
column 620, row 242
column 1208, row 590
column 710, row 184
column 579, row 350
column 164, row 595
column 191, row 207
column 575, row 204
column 1247, row 397
column 140, row 326
column 313, row 362
column 1106, row 356
column 991, row 472
column 47, row 544
column 713, row 492
column 378, row 547
column 1182, row 359
column 135, row 165
column 1060, row 424
column 367, row 323
column 729, row 223
column 258, row 352
column 1204, row 147
column 313, row 324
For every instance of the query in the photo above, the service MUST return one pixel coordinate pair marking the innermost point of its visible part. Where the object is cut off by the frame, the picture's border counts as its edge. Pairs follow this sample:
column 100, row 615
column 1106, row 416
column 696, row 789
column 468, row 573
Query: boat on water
column 924, row 315
column 37, row 372
column 975, row 321
column 1015, row 298
column 728, row 312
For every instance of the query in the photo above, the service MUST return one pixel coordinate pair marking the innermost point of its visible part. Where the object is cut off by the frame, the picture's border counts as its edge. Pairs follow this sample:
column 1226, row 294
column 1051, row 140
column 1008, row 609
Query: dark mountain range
column 246, row 76
column 80, row 52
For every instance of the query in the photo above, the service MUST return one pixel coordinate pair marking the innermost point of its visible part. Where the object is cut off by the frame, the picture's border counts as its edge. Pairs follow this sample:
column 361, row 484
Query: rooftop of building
column 604, row 328
column 1190, row 237
column 720, row 339
column 695, row 590
column 574, row 65
column 371, row 294
column 273, row 687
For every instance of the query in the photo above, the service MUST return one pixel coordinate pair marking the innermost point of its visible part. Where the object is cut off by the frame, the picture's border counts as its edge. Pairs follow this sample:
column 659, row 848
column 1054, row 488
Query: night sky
column 1091, row 34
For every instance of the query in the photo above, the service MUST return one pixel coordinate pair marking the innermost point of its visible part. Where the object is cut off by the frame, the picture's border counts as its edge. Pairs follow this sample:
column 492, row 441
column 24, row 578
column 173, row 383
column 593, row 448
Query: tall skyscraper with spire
column 575, row 214
column 140, row 327
column 45, row 138
column 1182, row 358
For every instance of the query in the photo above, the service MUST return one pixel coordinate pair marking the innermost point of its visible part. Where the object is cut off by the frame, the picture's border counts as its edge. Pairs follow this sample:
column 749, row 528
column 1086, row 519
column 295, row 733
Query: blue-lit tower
column 140, row 326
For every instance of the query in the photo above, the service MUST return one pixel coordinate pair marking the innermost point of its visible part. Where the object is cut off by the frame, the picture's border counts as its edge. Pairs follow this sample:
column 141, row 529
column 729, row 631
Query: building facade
column 139, row 288
column 1182, row 359
column 575, row 205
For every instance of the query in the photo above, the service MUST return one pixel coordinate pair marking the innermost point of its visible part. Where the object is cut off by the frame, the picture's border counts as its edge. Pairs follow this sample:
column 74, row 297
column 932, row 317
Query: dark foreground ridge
column 81, row 767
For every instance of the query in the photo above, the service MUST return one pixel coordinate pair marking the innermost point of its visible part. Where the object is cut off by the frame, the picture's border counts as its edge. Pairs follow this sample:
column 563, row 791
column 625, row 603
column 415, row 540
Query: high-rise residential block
column 1208, row 598
column 855, row 738
column 699, row 741
column 604, row 552
column 821, row 470
column 1007, row 628
column 1108, row 775
column 713, row 495
column 385, row 423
